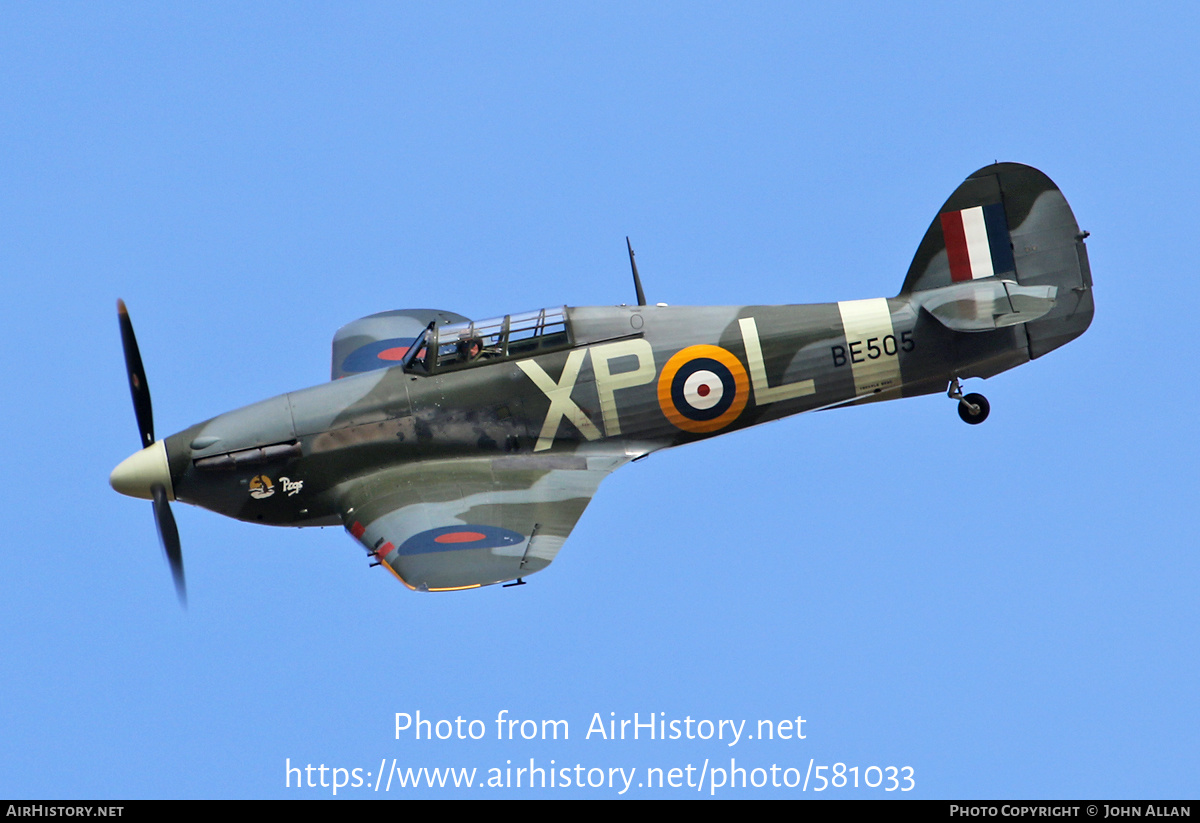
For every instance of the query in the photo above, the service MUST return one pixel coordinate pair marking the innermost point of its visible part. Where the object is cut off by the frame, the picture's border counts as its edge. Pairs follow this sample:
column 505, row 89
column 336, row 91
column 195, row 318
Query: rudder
column 1010, row 222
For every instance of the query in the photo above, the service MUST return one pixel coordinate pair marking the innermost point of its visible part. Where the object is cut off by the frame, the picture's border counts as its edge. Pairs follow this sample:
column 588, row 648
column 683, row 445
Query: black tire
column 980, row 402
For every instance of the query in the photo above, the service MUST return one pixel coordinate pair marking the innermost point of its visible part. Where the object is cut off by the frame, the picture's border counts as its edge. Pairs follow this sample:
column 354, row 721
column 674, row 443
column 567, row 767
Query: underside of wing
column 442, row 525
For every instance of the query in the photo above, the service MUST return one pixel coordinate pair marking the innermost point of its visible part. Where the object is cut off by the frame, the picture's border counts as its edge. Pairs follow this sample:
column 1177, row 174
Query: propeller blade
column 138, row 387
column 168, row 533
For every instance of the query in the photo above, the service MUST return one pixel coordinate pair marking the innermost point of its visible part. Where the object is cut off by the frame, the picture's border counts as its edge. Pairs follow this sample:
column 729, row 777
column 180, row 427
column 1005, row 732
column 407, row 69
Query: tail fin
column 1009, row 222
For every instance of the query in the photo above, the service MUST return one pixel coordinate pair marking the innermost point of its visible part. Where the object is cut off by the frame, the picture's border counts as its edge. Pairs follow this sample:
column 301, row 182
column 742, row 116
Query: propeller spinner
column 146, row 473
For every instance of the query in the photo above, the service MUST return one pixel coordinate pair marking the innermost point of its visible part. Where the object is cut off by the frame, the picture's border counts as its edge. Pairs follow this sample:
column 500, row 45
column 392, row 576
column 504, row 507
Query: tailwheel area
column 972, row 408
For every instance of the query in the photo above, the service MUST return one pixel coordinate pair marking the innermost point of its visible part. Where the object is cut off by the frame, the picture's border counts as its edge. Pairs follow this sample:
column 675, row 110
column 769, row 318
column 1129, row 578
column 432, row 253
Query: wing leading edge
column 443, row 525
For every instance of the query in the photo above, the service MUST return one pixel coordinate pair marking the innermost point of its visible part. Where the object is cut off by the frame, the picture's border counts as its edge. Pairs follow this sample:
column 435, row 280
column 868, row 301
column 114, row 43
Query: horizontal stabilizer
column 984, row 305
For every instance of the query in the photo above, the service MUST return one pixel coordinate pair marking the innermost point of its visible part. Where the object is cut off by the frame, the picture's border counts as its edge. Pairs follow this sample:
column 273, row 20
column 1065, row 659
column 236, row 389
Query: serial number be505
column 860, row 351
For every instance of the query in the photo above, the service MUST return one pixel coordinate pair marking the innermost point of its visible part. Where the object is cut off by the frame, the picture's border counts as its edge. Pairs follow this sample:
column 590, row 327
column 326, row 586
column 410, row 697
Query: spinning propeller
column 146, row 473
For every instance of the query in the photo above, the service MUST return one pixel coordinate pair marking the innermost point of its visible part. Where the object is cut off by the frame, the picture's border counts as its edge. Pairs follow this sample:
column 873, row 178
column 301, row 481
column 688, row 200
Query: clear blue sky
column 1009, row 609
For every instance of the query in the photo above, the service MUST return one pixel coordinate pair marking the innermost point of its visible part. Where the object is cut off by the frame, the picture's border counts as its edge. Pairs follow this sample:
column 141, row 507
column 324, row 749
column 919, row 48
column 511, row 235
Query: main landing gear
column 973, row 408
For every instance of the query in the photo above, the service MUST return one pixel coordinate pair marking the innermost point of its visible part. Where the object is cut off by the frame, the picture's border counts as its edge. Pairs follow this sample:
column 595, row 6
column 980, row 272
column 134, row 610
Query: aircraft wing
column 440, row 525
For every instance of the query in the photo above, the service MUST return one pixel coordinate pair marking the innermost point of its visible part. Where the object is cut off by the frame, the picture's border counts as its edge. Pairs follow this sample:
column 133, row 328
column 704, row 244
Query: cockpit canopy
column 474, row 343
column 380, row 341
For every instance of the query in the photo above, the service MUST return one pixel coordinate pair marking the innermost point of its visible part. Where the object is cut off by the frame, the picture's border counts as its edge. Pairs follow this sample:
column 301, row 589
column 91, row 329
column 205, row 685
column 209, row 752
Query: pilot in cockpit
column 470, row 349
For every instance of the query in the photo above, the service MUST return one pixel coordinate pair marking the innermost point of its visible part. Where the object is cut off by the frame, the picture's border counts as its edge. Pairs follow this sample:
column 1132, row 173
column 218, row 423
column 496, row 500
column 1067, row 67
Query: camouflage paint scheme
column 475, row 473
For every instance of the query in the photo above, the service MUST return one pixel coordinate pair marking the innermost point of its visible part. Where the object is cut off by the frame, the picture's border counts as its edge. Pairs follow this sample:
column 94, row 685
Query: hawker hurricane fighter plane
column 461, row 453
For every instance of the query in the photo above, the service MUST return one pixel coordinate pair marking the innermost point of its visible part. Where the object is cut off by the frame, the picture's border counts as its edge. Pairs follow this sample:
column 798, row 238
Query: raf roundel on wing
column 377, row 354
column 452, row 538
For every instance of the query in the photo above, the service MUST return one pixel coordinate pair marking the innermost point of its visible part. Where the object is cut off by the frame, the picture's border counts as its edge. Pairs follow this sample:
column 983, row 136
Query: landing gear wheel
column 980, row 405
